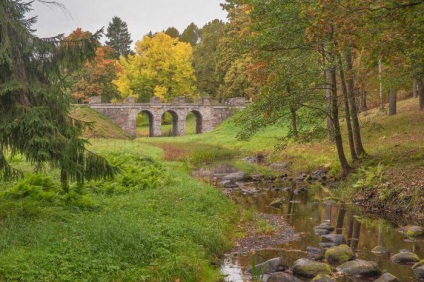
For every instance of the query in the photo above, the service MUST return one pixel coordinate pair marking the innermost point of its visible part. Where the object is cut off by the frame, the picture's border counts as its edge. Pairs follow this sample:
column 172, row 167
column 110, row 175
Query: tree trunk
column 414, row 88
column 363, row 101
column 330, row 128
column 336, row 124
column 294, row 122
column 421, row 94
column 380, row 77
column 359, row 148
column 347, row 111
column 392, row 102
column 340, row 220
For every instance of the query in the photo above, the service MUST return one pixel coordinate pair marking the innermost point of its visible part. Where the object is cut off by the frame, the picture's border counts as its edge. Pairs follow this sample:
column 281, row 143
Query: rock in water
column 323, row 278
column 359, row 267
column 419, row 273
column 282, row 277
column 387, row 277
column 309, row 269
column 270, row 266
column 405, row 258
column 414, row 231
column 339, row 254
column 337, row 239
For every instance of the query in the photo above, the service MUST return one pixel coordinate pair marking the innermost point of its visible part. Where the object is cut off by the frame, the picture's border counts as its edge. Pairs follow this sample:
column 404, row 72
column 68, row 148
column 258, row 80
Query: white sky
column 141, row 16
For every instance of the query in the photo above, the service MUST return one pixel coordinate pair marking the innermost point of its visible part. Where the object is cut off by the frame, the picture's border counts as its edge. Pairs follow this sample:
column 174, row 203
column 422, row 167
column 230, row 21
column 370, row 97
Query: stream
column 304, row 211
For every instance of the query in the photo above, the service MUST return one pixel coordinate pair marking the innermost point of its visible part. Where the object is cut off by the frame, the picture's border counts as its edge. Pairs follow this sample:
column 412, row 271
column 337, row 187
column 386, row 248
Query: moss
column 418, row 264
column 339, row 254
column 310, row 269
column 415, row 231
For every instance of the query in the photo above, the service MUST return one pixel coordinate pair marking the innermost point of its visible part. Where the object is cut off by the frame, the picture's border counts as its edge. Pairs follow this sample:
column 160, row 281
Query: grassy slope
column 101, row 126
column 152, row 223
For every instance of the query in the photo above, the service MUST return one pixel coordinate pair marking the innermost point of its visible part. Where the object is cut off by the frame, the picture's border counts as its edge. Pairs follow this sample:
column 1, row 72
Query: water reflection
column 304, row 211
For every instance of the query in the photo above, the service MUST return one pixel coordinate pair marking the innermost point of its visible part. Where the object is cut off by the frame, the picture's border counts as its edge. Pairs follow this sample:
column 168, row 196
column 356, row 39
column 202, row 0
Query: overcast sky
column 141, row 16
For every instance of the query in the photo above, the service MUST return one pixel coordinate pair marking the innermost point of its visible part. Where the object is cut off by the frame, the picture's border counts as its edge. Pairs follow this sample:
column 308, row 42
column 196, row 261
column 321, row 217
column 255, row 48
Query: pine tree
column 119, row 37
column 34, row 107
column 190, row 35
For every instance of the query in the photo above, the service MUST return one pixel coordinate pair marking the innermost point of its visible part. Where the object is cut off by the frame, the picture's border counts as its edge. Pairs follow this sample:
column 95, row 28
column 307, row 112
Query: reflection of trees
column 340, row 219
column 355, row 234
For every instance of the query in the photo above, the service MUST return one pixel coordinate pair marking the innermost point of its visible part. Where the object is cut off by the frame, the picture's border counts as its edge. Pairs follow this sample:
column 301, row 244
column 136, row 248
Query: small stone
column 414, row 231
column 277, row 203
column 270, row 266
column 282, row 277
column 315, row 253
column 387, row 277
column 418, row 264
column 339, row 254
column 320, row 231
column 325, row 225
column 323, row 278
column 327, row 245
column 228, row 184
column 405, row 258
column 380, row 250
column 359, row 267
column 309, row 269
column 337, row 239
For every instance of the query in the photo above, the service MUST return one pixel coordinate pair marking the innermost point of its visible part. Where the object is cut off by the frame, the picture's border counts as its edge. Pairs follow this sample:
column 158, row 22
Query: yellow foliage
column 162, row 66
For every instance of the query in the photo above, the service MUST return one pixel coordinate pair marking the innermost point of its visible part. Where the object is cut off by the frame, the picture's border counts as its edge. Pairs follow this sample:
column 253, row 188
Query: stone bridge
column 208, row 116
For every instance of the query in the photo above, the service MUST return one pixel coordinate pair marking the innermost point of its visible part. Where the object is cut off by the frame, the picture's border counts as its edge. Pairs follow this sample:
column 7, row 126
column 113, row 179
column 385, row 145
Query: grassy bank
column 152, row 223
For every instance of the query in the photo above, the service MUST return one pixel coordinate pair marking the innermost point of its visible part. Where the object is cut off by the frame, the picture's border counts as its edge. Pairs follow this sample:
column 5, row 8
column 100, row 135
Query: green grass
column 152, row 223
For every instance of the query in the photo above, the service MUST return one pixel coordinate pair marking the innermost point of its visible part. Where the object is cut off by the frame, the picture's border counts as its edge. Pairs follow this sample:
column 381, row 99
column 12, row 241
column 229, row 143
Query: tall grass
column 165, row 229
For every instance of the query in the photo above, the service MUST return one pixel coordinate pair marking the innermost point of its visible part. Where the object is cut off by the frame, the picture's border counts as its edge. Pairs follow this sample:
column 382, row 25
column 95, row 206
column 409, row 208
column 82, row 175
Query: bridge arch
column 151, row 120
column 199, row 121
column 177, row 127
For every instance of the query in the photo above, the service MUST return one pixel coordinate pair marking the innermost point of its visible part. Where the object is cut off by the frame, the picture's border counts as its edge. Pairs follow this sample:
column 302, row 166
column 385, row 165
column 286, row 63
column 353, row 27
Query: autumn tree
column 161, row 67
column 96, row 77
column 34, row 104
column 118, row 37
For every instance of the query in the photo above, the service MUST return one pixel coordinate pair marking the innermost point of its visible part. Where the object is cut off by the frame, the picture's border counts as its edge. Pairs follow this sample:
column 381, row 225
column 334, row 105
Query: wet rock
column 387, row 277
column 270, row 266
column 418, row 264
column 380, row 250
column 359, row 267
column 405, row 258
column 282, row 277
column 251, row 160
column 236, row 176
column 326, row 226
column 277, row 203
column 279, row 166
column 339, row 254
column 228, row 184
column 315, row 253
column 321, row 231
column 337, row 239
column 309, row 268
column 327, row 245
column 419, row 273
column 323, row 278
column 414, row 231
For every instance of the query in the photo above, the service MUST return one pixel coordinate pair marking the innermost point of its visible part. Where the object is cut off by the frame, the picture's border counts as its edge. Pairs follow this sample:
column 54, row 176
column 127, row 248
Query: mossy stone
column 414, row 231
column 309, row 269
column 339, row 254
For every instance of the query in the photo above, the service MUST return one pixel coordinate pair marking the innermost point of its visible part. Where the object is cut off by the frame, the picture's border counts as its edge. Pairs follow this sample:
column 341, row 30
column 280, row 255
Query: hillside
column 100, row 126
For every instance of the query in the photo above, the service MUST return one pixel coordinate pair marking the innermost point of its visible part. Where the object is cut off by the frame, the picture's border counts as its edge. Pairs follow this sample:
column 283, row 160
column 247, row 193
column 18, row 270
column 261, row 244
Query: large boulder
column 270, row 266
column 337, row 239
column 309, row 268
column 323, row 278
column 359, row 267
column 405, row 258
column 419, row 273
column 387, row 277
column 339, row 254
column 282, row 277
column 414, row 231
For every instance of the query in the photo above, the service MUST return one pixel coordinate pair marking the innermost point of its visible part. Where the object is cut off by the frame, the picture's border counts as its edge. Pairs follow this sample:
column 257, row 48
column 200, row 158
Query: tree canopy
column 118, row 37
